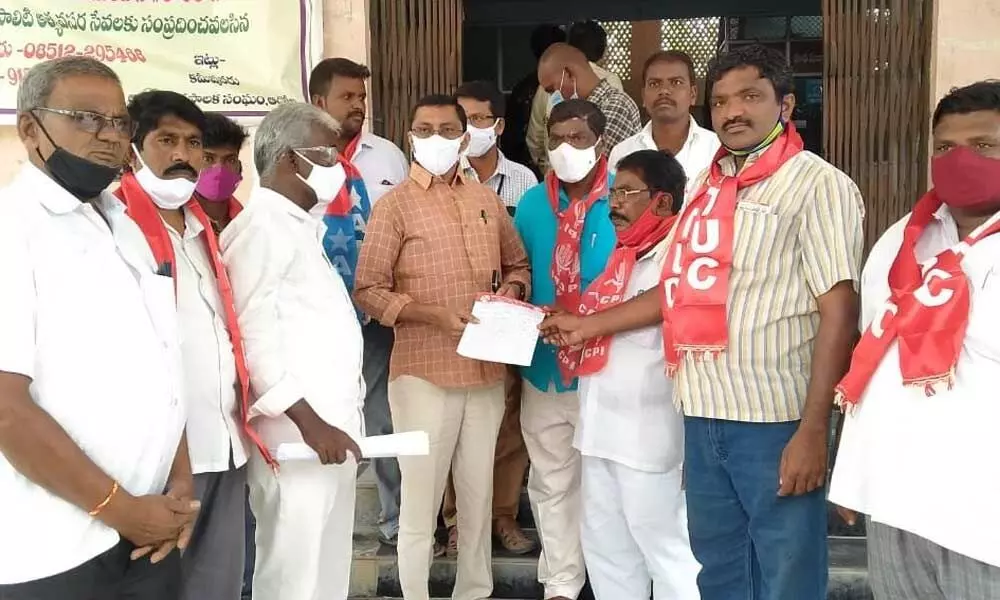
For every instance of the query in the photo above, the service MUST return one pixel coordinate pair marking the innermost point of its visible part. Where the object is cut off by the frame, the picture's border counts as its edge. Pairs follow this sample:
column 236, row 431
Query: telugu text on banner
column 240, row 57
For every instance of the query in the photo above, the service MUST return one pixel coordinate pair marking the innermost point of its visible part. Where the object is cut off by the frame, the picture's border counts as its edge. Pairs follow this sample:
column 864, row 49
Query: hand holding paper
column 507, row 331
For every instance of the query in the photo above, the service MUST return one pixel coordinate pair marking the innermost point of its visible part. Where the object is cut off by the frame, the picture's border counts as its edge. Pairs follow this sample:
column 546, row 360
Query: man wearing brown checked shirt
column 433, row 244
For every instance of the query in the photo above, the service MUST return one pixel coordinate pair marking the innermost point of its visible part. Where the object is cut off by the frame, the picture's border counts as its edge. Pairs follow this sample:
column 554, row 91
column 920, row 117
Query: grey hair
column 37, row 85
column 285, row 128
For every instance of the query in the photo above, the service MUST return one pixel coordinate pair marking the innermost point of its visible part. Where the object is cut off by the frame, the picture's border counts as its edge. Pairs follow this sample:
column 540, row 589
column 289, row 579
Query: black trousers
column 109, row 576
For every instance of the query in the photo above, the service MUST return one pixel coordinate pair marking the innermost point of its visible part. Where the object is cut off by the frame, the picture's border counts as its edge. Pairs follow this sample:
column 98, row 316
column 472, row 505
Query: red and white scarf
column 566, row 256
column 927, row 312
column 696, row 274
column 143, row 211
column 608, row 290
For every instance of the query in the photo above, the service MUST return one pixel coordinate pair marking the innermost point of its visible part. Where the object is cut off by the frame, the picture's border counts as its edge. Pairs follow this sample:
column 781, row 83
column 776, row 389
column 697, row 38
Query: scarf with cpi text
column 608, row 290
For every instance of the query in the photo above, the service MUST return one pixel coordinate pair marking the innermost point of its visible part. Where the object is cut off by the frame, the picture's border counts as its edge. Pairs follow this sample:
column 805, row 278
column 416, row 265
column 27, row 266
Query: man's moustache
column 188, row 169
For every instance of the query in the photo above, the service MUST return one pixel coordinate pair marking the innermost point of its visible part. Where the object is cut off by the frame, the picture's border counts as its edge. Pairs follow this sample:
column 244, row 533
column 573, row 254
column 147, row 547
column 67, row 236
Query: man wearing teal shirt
column 567, row 217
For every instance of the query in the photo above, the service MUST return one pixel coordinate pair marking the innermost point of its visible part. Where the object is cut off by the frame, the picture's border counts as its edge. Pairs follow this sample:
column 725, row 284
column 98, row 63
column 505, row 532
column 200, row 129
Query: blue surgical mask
column 557, row 96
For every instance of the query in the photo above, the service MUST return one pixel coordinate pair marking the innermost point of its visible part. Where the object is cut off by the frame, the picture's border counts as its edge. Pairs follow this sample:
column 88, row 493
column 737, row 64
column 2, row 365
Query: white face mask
column 557, row 96
column 326, row 182
column 436, row 154
column 168, row 194
column 481, row 140
column 572, row 164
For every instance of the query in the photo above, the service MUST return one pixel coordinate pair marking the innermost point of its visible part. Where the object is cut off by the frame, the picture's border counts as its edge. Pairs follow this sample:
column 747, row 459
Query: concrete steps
column 374, row 574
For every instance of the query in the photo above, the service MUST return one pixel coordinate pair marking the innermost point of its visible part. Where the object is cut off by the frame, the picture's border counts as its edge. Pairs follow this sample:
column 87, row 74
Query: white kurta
column 634, row 526
column 85, row 316
column 303, row 341
column 928, row 465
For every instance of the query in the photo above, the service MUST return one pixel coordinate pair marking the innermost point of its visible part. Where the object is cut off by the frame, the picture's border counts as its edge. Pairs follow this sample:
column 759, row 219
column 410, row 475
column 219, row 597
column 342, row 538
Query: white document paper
column 411, row 443
column 507, row 331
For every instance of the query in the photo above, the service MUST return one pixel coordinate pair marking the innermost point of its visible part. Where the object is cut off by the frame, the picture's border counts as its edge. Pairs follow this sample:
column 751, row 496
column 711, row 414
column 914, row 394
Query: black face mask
column 83, row 178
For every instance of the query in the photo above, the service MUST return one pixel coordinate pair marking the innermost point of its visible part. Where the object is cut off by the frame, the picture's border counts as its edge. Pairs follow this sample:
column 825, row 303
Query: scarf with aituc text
column 696, row 273
column 927, row 312
column 143, row 211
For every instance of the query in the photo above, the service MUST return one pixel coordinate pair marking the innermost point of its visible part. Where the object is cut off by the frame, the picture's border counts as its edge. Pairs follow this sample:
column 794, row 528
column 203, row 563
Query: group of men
column 161, row 341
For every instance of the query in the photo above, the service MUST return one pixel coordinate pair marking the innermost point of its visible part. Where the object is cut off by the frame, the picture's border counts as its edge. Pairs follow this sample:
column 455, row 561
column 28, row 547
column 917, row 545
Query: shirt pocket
column 160, row 298
column 761, row 234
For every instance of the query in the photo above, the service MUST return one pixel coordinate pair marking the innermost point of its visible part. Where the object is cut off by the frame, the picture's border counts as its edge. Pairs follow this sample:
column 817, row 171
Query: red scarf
column 143, row 211
column 609, row 290
column 927, row 311
column 343, row 203
column 695, row 317
column 566, row 256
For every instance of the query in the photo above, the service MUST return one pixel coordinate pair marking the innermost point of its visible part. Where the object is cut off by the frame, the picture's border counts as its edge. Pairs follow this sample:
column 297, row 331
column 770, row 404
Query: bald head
column 563, row 65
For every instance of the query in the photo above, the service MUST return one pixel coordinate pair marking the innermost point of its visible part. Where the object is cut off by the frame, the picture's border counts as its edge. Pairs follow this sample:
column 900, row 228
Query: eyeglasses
column 621, row 195
column 321, row 155
column 449, row 132
column 92, row 122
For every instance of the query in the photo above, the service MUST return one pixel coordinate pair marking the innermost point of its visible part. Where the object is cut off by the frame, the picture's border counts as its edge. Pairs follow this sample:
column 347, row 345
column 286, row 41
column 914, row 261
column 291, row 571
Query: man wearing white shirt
column 158, row 192
column 304, row 349
column 919, row 445
column 93, row 463
column 669, row 91
column 337, row 85
column 630, row 434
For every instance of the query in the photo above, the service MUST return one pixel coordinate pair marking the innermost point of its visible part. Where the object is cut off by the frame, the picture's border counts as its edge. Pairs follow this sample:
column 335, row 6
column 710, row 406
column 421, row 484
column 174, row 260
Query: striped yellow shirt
column 798, row 233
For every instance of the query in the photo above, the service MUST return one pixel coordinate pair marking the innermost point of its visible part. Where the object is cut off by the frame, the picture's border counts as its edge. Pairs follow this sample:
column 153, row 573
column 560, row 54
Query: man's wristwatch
column 520, row 288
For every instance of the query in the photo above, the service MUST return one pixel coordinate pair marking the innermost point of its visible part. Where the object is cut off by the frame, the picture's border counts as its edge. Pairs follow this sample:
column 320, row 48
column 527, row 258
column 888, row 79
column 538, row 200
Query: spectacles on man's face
column 321, row 155
column 621, row 195
column 447, row 131
column 93, row 122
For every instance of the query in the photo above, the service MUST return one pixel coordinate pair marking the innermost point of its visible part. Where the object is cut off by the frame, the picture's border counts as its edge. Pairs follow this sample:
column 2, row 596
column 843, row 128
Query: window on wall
column 699, row 38
column 618, row 56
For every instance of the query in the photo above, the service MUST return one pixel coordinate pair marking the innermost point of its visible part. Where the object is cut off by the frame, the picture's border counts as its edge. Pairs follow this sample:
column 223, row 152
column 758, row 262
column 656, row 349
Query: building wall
column 966, row 45
column 345, row 27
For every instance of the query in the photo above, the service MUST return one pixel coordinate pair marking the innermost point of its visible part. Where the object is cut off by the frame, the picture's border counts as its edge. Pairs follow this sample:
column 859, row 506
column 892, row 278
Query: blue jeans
column 752, row 544
column 378, row 421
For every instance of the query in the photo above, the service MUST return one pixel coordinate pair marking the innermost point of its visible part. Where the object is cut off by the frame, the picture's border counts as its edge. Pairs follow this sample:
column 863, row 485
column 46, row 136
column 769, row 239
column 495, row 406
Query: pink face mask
column 217, row 183
column 963, row 178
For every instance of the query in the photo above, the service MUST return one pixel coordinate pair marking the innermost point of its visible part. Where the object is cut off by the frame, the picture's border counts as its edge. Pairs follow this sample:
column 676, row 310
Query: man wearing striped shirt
column 757, row 336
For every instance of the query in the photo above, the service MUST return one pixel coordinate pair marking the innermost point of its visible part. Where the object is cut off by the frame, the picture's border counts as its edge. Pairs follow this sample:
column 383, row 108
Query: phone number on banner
column 49, row 51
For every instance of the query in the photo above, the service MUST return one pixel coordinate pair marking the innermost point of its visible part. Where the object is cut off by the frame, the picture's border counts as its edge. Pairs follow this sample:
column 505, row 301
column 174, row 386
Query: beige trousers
column 510, row 463
column 548, row 421
column 462, row 425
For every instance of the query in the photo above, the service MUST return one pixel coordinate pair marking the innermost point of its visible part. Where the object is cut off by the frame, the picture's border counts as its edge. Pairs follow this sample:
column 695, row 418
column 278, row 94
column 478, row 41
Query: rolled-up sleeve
column 17, row 302
column 257, row 262
column 831, row 233
column 374, row 280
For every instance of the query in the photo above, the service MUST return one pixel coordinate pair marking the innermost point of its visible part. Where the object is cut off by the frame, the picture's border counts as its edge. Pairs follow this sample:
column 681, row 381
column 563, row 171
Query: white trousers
column 548, row 422
column 462, row 425
column 635, row 535
column 305, row 526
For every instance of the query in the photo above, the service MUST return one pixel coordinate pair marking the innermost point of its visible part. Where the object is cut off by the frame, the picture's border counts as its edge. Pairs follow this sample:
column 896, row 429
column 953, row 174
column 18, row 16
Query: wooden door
column 877, row 56
column 416, row 48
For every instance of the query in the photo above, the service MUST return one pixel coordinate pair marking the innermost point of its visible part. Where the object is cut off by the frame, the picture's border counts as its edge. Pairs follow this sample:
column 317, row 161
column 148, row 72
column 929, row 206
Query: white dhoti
column 305, row 526
column 634, row 533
